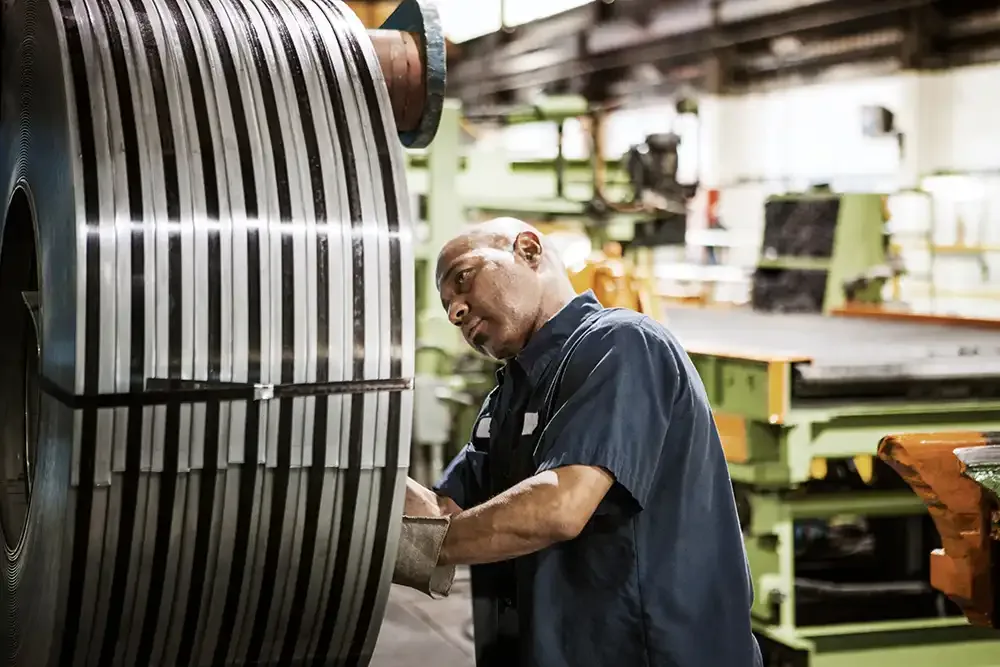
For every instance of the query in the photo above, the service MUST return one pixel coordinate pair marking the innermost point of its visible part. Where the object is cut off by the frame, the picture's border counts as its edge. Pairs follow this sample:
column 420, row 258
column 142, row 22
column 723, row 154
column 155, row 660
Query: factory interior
column 806, row 193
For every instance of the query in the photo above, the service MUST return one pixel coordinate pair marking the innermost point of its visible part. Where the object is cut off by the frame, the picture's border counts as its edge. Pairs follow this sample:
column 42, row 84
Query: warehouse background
column 795, row 96
column 772, row 100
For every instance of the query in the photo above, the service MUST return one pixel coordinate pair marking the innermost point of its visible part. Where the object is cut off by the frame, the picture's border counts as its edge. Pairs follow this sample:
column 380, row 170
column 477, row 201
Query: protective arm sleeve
column 420, row 541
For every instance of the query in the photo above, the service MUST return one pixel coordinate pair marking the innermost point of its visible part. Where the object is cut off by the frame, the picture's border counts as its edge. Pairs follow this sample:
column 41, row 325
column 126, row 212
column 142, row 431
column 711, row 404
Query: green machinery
column 594, row 189
column 821, row 249
column 451, row 379
column 837, row 544
column 802, row 391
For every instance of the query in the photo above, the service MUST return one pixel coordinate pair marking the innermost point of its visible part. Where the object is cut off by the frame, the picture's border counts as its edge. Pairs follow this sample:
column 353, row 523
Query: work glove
column 420, row 541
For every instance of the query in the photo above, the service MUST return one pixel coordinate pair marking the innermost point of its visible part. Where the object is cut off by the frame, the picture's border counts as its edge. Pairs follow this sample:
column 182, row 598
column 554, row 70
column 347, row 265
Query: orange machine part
column 961, row 510
column 401, row 58
column 611, row 279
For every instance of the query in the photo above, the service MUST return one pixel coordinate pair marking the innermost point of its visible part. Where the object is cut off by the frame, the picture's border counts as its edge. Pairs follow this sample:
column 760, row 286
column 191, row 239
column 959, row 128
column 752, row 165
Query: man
column 593, row 500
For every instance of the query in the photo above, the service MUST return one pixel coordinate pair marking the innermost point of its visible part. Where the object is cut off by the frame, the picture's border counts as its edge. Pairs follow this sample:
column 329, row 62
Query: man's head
column 499, row 283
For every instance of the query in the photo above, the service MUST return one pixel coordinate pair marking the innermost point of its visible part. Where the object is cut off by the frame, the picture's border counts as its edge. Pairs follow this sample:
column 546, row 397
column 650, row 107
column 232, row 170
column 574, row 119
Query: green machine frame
column 451, row 380
column 855, row 259
column 775, row 447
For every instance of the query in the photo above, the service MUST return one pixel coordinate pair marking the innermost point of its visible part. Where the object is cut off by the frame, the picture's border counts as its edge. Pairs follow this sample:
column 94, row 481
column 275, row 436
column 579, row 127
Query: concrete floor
column 421, row 632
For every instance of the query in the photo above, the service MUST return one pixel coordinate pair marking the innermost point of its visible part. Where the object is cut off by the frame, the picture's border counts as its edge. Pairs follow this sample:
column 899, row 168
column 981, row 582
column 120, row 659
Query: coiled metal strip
column 218, row 195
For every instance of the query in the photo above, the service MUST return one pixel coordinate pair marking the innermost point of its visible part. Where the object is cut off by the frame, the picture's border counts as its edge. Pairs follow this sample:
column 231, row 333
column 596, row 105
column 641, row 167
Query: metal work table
column 839, row 348
column 824, row 338
column 801, row 402
column 789, row 389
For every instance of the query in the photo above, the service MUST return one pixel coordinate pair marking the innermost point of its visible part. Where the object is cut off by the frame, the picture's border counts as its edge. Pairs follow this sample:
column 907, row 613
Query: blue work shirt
column 659, row 576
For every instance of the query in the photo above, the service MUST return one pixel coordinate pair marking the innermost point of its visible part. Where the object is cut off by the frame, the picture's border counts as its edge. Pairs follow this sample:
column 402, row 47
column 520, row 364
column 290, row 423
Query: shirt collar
column 546, row 343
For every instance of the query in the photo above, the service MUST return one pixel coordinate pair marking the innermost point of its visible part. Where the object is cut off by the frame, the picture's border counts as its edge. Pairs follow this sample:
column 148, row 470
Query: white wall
column 814, row 131
column 809, row 133
column 969, row 131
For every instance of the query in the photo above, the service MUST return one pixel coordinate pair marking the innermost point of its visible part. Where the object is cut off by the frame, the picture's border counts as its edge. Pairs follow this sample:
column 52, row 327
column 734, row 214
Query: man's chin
column 499, row 355
column 490, row 351
column 481, row 344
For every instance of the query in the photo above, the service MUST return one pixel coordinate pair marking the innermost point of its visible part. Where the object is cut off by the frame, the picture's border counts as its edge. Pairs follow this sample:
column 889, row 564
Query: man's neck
column 556, row 299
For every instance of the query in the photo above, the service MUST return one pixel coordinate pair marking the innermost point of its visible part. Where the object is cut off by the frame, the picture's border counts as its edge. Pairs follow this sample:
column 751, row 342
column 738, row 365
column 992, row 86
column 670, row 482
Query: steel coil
column 207, row 253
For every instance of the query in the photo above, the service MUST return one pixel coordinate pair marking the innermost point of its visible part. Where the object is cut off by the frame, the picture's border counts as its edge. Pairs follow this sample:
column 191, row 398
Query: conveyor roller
column 206, row 273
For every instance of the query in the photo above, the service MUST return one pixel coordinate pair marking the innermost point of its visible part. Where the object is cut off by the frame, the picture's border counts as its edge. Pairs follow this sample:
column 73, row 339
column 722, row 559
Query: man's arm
column 619, row 396
column 550, row 507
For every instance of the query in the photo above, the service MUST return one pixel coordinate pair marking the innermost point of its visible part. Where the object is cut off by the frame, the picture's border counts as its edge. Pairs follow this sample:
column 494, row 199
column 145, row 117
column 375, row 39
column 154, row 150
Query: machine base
column 923, row 643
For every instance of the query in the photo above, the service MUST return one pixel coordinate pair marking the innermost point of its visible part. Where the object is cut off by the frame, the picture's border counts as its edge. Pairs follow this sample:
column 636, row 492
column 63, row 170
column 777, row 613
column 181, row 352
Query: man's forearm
column 519, row 521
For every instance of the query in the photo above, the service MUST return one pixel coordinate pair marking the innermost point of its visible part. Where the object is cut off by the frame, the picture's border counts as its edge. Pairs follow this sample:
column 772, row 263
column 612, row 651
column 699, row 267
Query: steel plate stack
column 207, row 252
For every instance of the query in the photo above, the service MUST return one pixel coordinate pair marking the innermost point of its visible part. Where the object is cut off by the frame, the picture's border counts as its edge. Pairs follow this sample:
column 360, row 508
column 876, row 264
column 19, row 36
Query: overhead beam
column 710, row 34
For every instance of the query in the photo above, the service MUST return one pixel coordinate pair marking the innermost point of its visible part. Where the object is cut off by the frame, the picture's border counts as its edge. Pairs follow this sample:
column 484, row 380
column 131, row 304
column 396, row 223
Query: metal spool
column 207, row 252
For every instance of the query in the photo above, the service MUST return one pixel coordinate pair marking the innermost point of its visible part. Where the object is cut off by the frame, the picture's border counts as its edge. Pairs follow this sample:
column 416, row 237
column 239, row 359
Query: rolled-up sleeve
column 614, row 405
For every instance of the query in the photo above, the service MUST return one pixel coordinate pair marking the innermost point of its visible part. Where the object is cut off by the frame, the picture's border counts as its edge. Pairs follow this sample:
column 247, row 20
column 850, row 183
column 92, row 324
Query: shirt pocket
column 530, row 432
column 478, row 454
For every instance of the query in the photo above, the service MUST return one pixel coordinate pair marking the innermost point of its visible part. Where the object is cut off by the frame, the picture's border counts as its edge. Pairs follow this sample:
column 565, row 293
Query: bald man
column 593, row 500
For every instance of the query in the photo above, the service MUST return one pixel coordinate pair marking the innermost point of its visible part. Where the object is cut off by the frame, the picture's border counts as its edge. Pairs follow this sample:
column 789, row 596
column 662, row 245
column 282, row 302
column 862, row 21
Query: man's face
column 491, row 293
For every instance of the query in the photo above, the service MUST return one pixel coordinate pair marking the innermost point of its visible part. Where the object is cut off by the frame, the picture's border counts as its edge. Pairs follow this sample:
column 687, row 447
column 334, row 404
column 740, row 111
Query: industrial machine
column 958, row 476
column 652, row 169
column 637, row 198
column 208, row 353
column 801, row 384
column 837, row 544
column 821, row 250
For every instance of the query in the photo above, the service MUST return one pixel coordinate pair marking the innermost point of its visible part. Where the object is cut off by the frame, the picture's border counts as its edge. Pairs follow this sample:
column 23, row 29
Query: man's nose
column 457, row 313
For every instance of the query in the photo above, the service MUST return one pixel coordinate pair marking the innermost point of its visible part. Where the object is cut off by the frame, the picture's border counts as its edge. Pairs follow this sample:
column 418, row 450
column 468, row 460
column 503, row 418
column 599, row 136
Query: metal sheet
column 218, row 192
column 839, row 342
column 982, row 464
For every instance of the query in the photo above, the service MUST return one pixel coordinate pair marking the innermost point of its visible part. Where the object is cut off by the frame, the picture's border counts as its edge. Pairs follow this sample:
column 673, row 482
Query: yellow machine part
column 610, row 277
column 613, row 279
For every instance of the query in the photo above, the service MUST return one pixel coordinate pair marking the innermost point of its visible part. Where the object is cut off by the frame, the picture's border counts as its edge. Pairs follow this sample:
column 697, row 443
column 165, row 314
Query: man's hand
column 425, row 524
column 421, row 501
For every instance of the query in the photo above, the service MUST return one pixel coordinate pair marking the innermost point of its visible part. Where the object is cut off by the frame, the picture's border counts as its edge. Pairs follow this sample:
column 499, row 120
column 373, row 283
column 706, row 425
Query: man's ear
column 528, row 246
